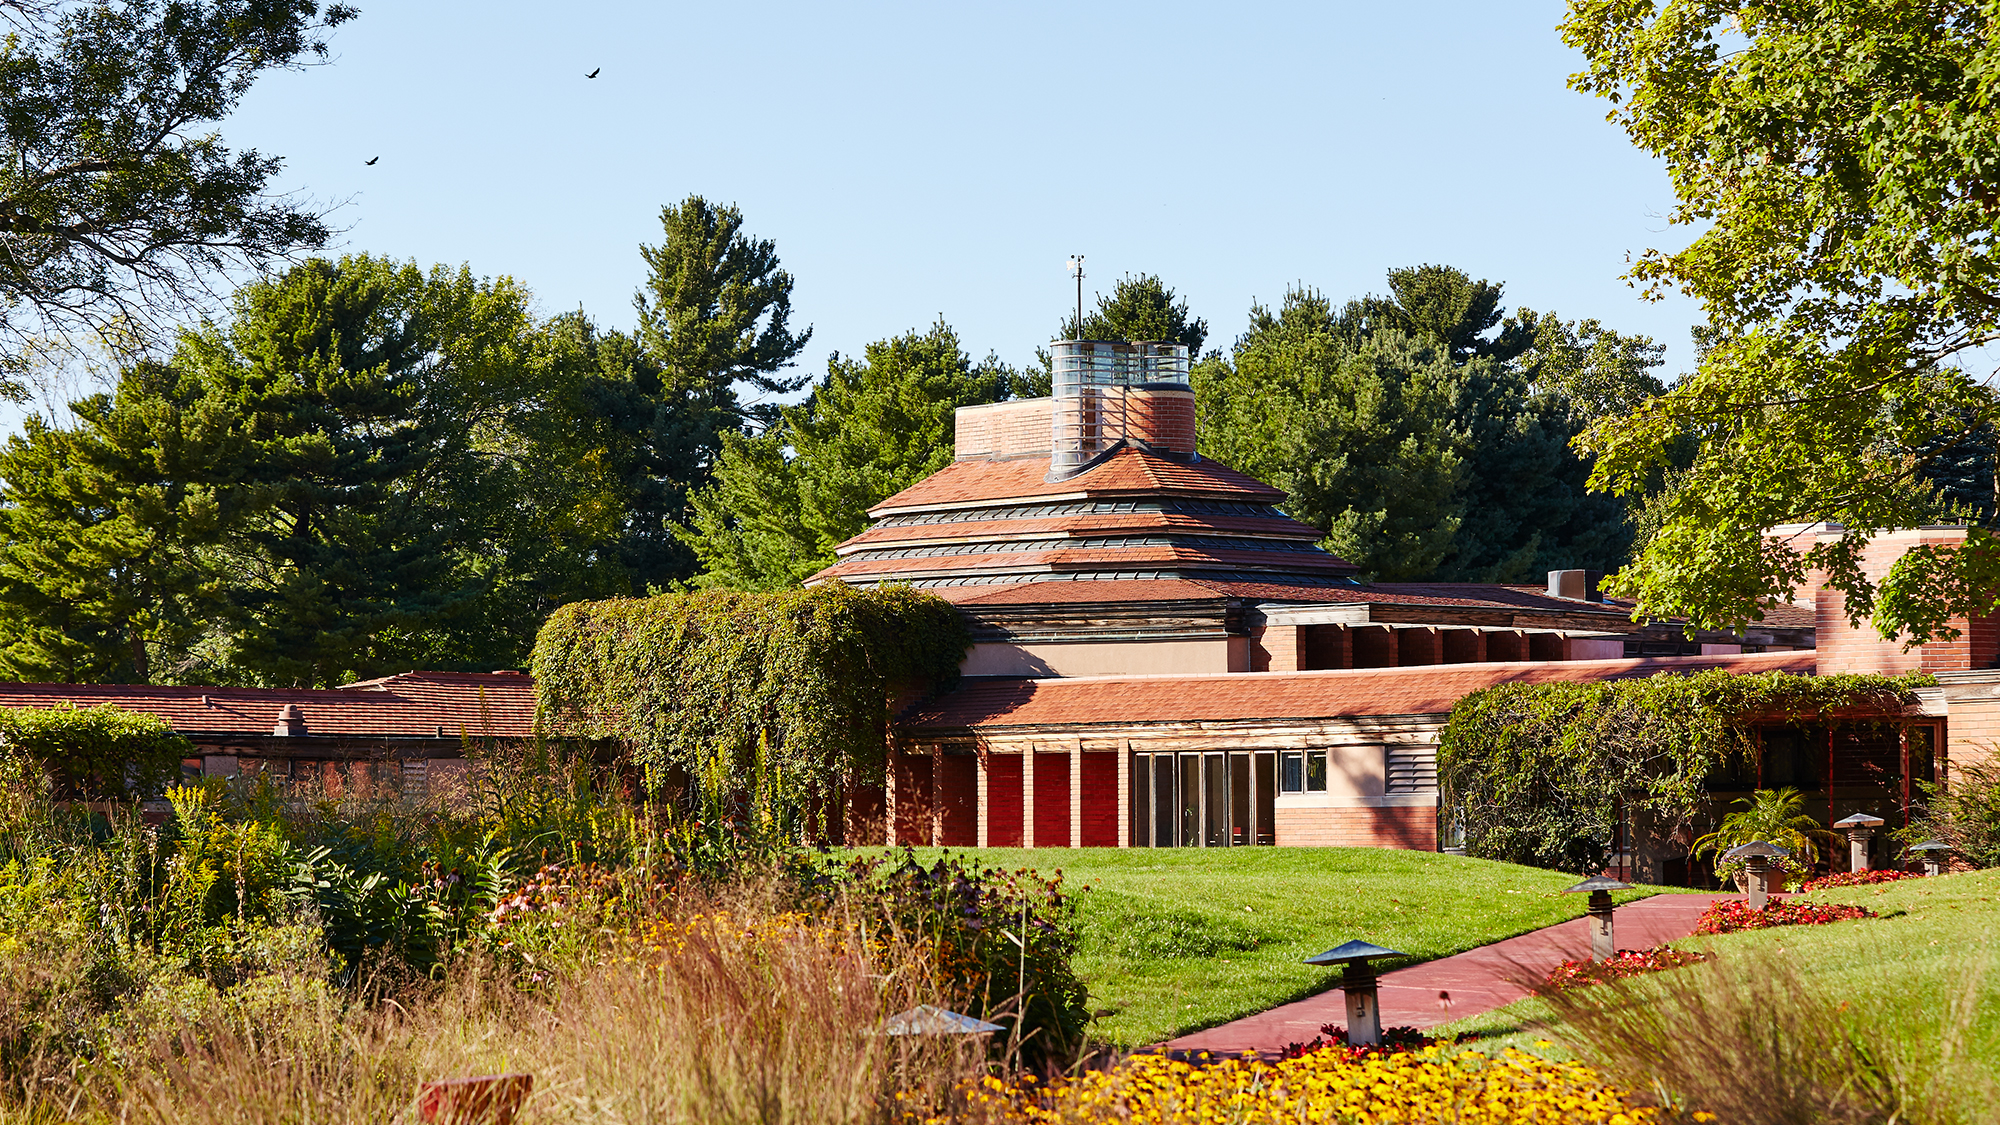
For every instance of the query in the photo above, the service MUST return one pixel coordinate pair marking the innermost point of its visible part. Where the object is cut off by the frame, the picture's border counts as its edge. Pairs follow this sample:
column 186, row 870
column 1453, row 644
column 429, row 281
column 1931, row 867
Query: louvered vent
column 1412, row 768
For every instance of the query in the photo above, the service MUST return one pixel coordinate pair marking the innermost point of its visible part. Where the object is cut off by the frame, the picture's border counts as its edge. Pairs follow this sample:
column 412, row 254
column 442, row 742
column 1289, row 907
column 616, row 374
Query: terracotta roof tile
column 1101, row 591
column 410, row 705
column 993, row 704
column 1127, row 471
column 1276, row 527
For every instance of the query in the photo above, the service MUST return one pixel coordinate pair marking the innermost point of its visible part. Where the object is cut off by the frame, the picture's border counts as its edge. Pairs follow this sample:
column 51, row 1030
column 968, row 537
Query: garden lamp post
column 1598, row 912
column 1756, row 856
column 924, row 1019
column 1357, row 980
column 1933, row 852
column 1859, row 828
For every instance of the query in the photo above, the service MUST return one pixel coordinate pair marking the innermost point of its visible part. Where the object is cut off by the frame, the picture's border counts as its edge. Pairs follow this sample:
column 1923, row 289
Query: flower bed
column 1856, row 879
column 1333, row 1037
column 1730, row 916
column 1624, row 963
column 1431, row 1084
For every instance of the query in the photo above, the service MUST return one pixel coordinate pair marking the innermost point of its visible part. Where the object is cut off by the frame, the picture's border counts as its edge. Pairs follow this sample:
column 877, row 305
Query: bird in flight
column 371, row 160
column 593, row 73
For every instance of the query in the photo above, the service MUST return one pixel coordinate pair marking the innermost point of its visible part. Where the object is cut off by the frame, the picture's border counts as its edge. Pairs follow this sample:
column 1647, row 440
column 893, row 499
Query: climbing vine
column 1538, row 773
column 94, row 753
column 778, row 698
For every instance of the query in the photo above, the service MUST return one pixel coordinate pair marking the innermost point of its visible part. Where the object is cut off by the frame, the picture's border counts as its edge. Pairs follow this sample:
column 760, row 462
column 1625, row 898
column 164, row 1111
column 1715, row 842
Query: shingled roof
column 408, row 705
column 1004, row 703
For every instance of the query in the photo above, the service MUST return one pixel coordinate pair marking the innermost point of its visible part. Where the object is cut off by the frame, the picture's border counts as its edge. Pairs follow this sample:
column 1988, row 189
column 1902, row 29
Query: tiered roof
column 1138, row 515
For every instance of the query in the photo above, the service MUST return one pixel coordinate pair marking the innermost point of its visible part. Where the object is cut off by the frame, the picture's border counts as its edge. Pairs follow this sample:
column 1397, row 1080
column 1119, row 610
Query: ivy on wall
column 94, row 753
column 780, row 697
column 1539, row 773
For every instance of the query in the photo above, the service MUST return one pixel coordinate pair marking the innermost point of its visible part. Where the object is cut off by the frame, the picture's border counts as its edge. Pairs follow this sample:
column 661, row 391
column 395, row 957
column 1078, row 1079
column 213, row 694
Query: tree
column 1838, row 160
column 104, row 528
column 714, row 314
column 117, row 202
column 782, row 500
column 1402, row 433
column 1140, row 307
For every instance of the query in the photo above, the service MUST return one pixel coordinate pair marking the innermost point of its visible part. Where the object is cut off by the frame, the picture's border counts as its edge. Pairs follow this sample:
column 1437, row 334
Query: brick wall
column 1052, row 801
column 1422, row 645
column 1412, row 828
column 1100, row 799
column 1002, row 429
column 1003, row 801
column 1161, row 418
column 1325, row 646
column 1844, row 648
column 960, row 791
column 912, row 774
column 1374, row 646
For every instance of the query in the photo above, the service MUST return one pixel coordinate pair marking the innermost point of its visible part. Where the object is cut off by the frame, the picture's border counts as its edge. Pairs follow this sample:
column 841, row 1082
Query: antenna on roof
column 1076, row 271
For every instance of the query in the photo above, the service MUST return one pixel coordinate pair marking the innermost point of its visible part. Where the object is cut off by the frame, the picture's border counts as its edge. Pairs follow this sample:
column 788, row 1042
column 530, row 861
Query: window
column 1302, row 771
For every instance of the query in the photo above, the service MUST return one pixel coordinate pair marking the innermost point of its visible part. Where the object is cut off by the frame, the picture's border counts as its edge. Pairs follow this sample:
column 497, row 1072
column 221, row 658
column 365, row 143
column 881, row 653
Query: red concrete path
column 1479, row 980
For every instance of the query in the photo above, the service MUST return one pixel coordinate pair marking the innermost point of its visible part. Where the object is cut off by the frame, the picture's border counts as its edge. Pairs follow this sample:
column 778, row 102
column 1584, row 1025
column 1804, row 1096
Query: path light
column 1858, row 827
column 490, row 1099
column 927, row 1020
column 1364, row 1011
column 1598, row 911
column 1756, row 856
column 1933, row 855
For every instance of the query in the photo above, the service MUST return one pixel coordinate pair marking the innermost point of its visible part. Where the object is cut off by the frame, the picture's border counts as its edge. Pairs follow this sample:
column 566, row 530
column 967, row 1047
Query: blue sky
column 912, row 161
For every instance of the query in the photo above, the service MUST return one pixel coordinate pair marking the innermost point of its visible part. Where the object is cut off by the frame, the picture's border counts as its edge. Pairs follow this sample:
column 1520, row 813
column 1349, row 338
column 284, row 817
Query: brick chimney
column 291, row 722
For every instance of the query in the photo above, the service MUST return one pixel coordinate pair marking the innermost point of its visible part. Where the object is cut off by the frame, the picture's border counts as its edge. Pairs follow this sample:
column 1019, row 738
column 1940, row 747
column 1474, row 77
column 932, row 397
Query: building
column 405, row 733
column 1163, row 658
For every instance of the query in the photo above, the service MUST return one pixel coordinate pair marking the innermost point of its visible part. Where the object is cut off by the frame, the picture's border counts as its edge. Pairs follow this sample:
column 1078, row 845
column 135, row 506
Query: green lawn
column 1179, row 939
column 1935, row 937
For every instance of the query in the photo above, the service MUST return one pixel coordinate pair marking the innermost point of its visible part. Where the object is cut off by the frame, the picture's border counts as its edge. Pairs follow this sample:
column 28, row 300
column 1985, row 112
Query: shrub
column 1965, row 814
column 1002, row 943
column 1730, row 916
column 1774, row 816
column 95, row 753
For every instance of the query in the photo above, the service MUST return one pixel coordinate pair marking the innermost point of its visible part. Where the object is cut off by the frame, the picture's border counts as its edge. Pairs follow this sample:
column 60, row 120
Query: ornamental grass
column 1433, row 1085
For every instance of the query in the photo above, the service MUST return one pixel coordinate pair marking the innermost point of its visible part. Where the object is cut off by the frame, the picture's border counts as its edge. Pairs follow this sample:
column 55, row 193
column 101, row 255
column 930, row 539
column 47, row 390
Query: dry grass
column 1756, row 1041
column 724, row 1011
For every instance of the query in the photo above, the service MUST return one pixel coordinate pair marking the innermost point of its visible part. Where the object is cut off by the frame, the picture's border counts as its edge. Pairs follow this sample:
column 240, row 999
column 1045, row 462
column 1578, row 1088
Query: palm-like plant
column 1775, row 816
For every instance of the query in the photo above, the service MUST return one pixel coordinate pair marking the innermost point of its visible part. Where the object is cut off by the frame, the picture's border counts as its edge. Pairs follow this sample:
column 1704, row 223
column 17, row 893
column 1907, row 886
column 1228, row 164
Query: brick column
column 982, row 804
column 1421, row 645
column 937, row 794
column 1028, row 796
column 1076, row 793
column 889, row 787
column 1278, row 649
column 1464, row 646
column 1125, row 792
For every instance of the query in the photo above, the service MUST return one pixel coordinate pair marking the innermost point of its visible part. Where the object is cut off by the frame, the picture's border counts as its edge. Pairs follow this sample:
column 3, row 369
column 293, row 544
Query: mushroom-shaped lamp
column 1858, row 827
column 1598, row 911
column 1756, row 857
column 1357, row 980
column 1932, row 852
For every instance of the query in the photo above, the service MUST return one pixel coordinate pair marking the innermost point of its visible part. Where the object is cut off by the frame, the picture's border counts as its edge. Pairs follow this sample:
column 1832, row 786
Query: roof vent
column 1575, row 585
column 291, row 723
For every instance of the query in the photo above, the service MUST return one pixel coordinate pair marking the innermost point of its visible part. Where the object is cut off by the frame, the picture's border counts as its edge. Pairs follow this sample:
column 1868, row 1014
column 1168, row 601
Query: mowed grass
column 1174, row 940
column 1936, row 940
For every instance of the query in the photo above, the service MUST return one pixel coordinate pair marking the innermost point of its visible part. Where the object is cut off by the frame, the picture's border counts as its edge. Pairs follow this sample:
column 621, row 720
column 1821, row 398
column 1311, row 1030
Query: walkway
column 1478, row 980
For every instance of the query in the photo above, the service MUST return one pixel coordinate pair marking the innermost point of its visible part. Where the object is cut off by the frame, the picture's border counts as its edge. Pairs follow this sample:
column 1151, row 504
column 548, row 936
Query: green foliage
column 714, row 313
column 1836, row 160
column 1422, row 447
column 1140, row 308
column 1001, row 942
column 1540, row 773
column 1774, row 816
column 782, row 500
column 1964, row 814
column 94, row 753
column 780, row 698
column 120, row 199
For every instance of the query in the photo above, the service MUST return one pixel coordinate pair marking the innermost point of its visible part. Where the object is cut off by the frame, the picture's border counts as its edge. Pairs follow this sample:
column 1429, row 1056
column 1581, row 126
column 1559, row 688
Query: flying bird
column 372, row 160
column 593, row 73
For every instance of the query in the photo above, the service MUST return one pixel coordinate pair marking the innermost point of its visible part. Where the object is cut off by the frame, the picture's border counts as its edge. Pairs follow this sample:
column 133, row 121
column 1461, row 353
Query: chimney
column 291, row 723
column 1109, row 391
column 1575, row 585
